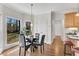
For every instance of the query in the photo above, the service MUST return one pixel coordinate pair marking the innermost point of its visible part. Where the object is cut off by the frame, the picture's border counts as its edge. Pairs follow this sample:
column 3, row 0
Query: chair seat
column 69, row 43
column 38, row 44
column 28, row 40
column 76, row 49
column 27, row 47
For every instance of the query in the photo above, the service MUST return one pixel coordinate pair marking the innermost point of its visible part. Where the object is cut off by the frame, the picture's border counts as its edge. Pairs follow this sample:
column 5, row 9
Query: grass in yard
column 12, row 37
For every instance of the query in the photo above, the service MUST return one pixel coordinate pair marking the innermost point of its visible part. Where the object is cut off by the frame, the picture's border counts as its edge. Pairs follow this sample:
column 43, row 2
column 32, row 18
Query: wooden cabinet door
column 69, row 20
column 76, row 21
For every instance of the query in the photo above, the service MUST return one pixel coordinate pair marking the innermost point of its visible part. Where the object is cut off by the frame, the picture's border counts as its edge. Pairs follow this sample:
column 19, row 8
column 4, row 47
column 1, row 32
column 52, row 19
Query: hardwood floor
column 54, row 49
column 48, row 51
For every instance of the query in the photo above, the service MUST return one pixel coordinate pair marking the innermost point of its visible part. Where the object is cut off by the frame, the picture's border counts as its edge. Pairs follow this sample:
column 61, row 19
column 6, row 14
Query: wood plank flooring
column 54, row 49
column 48, row 51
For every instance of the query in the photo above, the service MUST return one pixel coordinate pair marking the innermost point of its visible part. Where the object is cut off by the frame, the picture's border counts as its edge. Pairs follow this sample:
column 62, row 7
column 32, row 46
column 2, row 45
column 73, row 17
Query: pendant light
column 77, row 14
column 31, row 10
column 31, row 16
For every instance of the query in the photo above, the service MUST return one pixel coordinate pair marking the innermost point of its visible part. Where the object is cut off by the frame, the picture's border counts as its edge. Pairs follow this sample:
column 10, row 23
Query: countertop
column 74, row 37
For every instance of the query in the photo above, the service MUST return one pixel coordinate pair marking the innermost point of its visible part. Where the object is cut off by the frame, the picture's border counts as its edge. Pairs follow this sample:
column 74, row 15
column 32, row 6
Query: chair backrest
column 22, row 41
column 42, row 39
column 23, row 32
column 37, row 35
column 31, row 37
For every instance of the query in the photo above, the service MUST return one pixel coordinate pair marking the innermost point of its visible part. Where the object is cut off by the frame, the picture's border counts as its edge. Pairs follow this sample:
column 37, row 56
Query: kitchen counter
column 73, row 37
column 75, row 40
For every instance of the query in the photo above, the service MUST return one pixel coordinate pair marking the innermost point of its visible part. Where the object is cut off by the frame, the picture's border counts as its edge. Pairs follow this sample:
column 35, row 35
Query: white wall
column 42, row 25
column 1, row 29
column 1, row 33
column 50, row 23
column 57, row 24
column 3, row 24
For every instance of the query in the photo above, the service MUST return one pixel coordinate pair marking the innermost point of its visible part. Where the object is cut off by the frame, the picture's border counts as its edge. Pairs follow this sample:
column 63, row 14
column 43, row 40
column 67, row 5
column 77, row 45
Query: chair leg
column 73, row 53
column 64, row 50
column 19, row 51
column 70, row 50
column 41, row 48
column 31, row 48
column 24, row 52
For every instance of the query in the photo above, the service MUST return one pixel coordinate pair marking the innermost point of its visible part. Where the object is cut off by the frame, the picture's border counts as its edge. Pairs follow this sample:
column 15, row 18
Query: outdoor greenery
column 28, row 30
column 13, row 29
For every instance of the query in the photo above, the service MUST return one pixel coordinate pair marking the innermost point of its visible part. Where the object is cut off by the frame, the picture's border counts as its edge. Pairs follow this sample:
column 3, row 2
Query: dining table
column 31, row 41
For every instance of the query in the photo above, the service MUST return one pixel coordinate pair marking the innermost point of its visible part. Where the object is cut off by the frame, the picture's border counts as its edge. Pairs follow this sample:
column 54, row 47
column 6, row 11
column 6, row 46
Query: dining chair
column 37, row 37
column 41, row 44
column 31, row 39
column 68, row 44
column 22, row 44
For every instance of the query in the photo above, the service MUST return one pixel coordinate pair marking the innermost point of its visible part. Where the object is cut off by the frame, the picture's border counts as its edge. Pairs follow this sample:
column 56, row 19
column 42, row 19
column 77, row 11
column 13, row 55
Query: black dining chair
column 22, row 44
column 41, row 44
column 31, row 39
column 36, row 39
column 37, row 35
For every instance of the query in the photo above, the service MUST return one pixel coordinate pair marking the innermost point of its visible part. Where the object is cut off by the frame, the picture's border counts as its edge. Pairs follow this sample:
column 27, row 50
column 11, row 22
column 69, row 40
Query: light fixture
column 31, row 10
column 31, row 15
column 77, row 14
column 73, row 28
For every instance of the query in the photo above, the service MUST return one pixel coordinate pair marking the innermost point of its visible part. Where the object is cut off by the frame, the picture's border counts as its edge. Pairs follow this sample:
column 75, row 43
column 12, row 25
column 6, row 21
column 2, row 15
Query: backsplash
column 71, row 31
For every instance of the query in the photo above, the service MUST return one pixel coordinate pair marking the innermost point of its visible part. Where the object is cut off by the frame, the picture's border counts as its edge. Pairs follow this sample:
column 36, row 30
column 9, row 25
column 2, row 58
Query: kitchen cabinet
column 76, row 21
column 70, row 20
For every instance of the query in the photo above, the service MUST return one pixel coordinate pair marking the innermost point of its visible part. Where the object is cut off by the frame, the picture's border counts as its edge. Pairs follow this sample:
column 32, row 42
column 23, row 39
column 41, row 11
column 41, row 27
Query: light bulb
column 31, row 25
column 77, row 14
column 73, row 28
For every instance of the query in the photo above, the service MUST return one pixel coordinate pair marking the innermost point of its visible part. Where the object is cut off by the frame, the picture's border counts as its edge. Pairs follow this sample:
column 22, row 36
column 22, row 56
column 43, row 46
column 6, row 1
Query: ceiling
column 39, row 8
